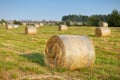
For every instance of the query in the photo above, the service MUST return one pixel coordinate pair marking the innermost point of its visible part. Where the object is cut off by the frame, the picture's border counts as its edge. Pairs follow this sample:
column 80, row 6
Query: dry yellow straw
column 15, row 26
column 30, row 30
column 102, row 31
column 10, row 26
column 62, row 27
column 70, row 52
column 37, row 25
column 103, row 24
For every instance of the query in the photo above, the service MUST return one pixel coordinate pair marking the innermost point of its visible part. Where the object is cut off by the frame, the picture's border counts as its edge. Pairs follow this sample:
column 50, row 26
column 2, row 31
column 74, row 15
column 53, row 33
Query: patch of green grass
column 14, row 76
column 31, row 70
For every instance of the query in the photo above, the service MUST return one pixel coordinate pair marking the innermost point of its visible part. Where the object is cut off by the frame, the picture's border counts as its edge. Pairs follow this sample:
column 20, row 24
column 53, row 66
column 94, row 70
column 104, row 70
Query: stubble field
column 22, row 56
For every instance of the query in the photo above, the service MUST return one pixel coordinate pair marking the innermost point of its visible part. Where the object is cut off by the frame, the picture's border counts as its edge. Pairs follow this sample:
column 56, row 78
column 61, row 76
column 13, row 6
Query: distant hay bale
column 16, row 26
column 30, row 30
column 103, row 24
column 37, row 25
column 102, row 31
column 62, row 27
column 9, row 26
column 3, row 24
column 70, row 52
column 41, row 24
column 24, row 24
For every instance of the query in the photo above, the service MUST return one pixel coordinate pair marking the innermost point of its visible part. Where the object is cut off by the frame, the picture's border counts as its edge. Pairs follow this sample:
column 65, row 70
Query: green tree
column 75, row 18
column 94, row 20
column 2, row 21
column 17, row 22
column 114, row 18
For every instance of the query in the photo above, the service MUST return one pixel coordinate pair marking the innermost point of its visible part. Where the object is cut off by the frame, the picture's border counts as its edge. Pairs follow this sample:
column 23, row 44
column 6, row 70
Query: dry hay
column 37, row 25
column 62, row 27
column 102, row 31
column 3, row 24
column 30, row 30
column 24, row 24
column 42, row 77
column 9, row 26
column 47, row 77
column 103, row 24
column 70, row 52
column 16, row 26
column 41, row 24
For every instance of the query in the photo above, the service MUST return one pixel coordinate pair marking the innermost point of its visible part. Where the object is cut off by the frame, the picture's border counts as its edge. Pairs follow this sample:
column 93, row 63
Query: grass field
column 22, row 56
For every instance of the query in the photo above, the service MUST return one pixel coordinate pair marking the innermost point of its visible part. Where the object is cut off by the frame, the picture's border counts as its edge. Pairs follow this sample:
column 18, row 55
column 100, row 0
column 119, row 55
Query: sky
column 54, row 9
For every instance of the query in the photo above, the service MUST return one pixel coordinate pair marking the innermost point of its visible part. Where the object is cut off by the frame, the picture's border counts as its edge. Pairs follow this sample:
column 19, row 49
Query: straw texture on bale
column 30, row 30
column 102, row 31
column 70, row 52
column 103, row 24
column 9, row 26
column 62, row 27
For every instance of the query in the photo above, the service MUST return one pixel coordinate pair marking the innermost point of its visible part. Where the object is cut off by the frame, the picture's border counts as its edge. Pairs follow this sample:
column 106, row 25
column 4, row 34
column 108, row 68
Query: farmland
column 22, row 56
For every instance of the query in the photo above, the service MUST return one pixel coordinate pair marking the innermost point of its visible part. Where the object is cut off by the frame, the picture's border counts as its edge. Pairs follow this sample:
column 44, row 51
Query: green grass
column 22, row 55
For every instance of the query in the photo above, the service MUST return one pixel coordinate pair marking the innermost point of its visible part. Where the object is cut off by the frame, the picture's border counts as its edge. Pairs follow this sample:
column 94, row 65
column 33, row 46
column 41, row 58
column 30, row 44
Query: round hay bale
column 103, row 24
column 41, row 24
column 37, row 25
column 3, row 24
column 102, row 31
column 16, row 26
column 62, row 27
column 70, row 52
column 9, row 26
column 24, row 24
column 30, row 30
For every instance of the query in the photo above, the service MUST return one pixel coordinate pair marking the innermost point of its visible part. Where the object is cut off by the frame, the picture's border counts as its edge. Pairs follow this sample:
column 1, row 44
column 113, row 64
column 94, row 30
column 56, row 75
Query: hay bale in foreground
column 103, row 24
column 30, row 30
column 70, row 52
column 62, row 27
column 102, row 31
column 9, row 26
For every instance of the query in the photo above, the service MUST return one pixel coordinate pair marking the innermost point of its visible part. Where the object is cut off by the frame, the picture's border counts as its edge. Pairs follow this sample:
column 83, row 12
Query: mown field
column 22, row 56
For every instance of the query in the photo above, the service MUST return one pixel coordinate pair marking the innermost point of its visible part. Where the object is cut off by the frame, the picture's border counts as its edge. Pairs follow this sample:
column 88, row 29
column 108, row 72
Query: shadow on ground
column 36, row 58
column 91, row 35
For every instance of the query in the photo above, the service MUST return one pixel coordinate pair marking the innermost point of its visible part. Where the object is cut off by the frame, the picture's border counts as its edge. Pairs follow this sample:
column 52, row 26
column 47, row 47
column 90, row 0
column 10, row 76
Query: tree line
column 14, row 22
column 112, row 19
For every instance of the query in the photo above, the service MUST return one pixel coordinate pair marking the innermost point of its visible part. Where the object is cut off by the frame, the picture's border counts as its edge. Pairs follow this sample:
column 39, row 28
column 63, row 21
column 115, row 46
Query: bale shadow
column 35, row 57
column 91, row 35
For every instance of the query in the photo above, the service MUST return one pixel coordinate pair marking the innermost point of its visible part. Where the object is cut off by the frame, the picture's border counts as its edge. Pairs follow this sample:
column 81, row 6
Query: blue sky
column 54, row 9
